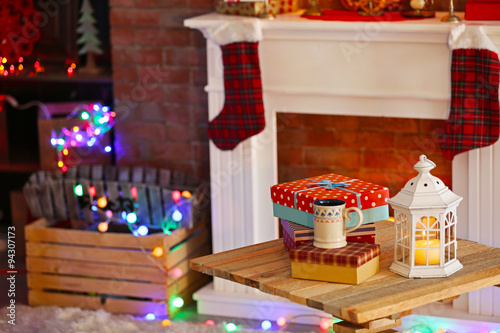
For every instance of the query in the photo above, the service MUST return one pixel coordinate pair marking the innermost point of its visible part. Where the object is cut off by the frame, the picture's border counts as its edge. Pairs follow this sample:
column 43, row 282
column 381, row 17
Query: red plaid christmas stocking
column 243, row 112
column 474, row 119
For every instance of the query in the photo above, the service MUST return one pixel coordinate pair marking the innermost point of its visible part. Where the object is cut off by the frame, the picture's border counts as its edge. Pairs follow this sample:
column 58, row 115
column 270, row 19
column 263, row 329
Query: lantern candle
column 421, row 254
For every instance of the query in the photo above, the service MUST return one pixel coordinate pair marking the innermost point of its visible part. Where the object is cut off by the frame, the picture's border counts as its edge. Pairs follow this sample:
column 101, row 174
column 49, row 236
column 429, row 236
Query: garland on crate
column 124, row 211
column 97, row 119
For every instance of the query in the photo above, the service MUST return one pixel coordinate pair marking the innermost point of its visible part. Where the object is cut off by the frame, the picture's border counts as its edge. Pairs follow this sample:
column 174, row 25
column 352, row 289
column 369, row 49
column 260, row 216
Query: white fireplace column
column 397, row 69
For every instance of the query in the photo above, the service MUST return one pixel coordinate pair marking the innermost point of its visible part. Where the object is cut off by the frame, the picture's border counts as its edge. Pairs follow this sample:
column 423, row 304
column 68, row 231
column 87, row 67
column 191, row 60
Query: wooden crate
column 112, row 271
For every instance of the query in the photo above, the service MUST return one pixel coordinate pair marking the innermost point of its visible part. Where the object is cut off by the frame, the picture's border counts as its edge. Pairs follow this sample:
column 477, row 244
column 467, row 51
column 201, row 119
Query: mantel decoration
column 420, row 8
column 425, row 212
column 89, row 38
column 19, row 22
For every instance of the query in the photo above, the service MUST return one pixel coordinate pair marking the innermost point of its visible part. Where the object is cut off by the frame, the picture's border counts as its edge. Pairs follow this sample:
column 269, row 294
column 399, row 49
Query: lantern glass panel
column 406, row 256
column 447, row 253
column 427, row 241
column 399, row 253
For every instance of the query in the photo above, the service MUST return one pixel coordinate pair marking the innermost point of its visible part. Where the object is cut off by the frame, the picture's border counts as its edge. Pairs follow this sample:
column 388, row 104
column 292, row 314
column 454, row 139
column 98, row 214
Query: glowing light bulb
column 60, row 164
column 92, row 191
column 133, row 192
column 53, row 141
column 281, row 321
column 231, row 327
column 4, row 60
column 266, row 324
column 113, row 114
column 97, row 131
column 142, row 230
column 109, row 214
column 166, row 322
column 12, row 68
column 176, row 196
column 73, row 65
column 131, row 218
column 150, row 316
column 79, row 190
column 186, row 194
column 102, row 202
column 96, row 107
column 210, row 322
column 70, row 71
column 21, row 59
column 20, row 67
column 124, row 215
column 65, row 152
column 176, row 272
column 325, row 324
column 105, row 108
column 158, row 251
column 76, row 129
column 5, row 73
column 94, row 208
column 177, row 302
column 85, row 115
column 103, row 227
column 64, row 168
column 177, row 216
column 107, row 149
column 60, row 142
column 78, row 137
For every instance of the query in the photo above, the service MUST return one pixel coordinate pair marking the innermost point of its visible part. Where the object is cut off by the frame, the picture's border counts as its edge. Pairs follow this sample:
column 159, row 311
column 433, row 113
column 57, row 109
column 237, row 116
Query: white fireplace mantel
column 379, row 69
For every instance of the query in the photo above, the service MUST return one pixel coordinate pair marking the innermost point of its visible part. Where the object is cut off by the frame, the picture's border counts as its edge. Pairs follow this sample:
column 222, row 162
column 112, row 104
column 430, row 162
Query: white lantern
column 425, row 216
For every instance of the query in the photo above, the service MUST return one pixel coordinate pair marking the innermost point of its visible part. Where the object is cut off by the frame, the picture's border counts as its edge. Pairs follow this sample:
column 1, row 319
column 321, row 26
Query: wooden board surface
column 266, row 266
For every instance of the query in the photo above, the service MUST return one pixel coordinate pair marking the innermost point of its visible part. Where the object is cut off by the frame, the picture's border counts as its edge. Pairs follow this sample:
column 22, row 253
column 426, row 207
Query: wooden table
column 373, row 306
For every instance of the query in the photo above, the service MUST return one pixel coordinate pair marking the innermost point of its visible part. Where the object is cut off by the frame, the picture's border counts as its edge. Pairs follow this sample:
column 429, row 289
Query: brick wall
column 159, row 72
column 379, row 150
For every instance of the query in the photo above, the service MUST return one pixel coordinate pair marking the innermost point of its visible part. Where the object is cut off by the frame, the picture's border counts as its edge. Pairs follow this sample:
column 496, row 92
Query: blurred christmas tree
column 89, row 38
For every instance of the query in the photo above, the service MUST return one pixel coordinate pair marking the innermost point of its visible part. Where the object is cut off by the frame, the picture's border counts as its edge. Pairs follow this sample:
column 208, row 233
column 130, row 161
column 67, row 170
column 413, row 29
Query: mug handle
column 347, row 217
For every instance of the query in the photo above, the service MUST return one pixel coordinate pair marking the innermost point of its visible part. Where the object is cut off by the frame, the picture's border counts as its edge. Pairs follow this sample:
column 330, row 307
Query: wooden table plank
column 266, row 267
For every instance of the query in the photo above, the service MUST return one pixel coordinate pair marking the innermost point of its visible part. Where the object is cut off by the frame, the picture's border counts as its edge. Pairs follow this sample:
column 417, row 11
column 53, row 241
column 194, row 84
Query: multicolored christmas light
column 97, row 120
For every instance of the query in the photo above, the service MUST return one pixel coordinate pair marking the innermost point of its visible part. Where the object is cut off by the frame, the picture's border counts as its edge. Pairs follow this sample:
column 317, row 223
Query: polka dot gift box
column 293, row 201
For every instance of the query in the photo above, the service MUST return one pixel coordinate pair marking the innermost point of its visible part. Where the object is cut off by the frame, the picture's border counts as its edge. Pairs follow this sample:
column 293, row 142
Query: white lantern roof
column 425, row 191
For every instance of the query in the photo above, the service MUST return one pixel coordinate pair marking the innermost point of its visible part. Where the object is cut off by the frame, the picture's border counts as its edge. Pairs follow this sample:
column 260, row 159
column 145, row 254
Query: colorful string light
column 102, row 205
column 177, row 302
column 97, row 120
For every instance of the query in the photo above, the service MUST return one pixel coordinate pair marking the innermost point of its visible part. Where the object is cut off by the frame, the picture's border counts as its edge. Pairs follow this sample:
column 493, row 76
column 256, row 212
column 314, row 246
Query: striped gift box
column 295, row 234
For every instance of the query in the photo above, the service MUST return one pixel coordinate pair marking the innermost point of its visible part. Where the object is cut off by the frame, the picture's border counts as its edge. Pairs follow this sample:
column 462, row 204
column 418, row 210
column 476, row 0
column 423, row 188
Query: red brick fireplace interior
column 378, row 150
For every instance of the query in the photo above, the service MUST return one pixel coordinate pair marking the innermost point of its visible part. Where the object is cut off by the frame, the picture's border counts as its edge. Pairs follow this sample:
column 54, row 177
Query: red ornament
column 19, row 28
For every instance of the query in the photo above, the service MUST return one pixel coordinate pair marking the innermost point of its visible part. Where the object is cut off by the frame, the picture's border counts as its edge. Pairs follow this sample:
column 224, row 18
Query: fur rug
column 53, row 319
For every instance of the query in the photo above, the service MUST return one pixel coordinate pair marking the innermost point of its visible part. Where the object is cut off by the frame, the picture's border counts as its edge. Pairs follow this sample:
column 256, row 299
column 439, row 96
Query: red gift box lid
column 351, row 255
column 301, row 194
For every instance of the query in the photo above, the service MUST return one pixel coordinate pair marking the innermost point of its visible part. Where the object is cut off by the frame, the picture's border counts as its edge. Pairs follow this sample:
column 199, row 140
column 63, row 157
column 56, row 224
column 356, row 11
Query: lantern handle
column 424, row 164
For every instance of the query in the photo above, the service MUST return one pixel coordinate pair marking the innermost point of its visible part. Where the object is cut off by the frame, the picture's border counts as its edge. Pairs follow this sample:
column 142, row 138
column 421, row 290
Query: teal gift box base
column 370, row 215
column 293, row 201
